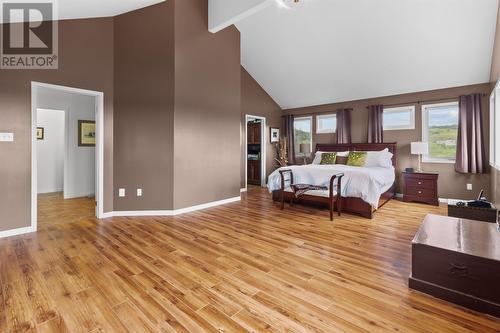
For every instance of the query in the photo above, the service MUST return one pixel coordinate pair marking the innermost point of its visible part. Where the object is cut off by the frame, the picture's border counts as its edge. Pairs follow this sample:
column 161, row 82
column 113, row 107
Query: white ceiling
column 325, row 51
column 77, row 9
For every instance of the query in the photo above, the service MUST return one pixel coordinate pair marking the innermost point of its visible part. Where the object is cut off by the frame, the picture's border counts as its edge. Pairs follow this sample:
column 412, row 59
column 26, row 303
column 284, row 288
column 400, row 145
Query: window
column 399, row 118
column 494, row 127
column 302, row 133
column 326, row 123
column 493, row 145
column 440, row 129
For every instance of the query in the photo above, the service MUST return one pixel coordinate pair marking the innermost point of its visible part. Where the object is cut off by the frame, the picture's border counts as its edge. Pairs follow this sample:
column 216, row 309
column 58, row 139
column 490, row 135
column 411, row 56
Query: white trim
column 441, row 200
column 243, row 190
column 425, row 135
column 263, row 144
column 400, row 109
column 326, row 131
column 18, row 231
column 99, row 97
column 171, row 212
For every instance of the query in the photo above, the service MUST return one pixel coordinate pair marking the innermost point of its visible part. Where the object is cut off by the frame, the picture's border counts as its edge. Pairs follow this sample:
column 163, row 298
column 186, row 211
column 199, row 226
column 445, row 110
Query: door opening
column 255, row 151
column 72, row 168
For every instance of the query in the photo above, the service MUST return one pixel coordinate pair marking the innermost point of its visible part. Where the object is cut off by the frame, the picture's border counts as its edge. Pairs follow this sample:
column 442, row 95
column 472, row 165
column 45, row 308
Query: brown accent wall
column 85, row 61
column 256, row 102
column 207, row 108
column 144, row 107
column 495, row 64
column 451, row 184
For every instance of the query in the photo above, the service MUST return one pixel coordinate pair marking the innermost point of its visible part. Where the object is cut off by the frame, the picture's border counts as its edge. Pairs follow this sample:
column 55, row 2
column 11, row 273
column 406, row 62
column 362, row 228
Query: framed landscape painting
column 40, row 133
column 86, row 133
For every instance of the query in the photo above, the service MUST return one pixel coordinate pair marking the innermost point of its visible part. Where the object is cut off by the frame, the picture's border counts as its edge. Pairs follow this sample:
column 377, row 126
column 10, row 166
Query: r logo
column 29, row 32
column 30, row 28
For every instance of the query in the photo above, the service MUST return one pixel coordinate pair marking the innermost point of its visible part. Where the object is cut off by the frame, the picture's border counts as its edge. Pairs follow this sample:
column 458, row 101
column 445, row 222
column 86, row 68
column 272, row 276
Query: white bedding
column 367, row 183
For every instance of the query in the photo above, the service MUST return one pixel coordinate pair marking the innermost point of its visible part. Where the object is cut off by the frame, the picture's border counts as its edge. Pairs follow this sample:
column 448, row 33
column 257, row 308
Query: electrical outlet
column 139, row 192
column 121, row 192
column 6, row 137
column 469, row 187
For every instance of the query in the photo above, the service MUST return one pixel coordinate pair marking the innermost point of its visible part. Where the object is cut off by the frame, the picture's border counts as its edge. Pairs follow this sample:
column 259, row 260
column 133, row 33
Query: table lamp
column 305, row 149
column 419, row 148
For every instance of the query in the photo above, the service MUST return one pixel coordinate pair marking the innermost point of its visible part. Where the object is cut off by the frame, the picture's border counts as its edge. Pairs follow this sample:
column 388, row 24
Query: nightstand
column 421, row 187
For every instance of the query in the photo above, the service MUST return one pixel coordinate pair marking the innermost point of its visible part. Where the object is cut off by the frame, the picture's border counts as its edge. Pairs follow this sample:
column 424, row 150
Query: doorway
column 255, row 151
column 82, row 155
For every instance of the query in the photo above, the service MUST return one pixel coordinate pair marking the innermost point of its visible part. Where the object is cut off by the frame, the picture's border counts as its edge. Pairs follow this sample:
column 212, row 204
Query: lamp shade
column 420, row 148
column 305, row 148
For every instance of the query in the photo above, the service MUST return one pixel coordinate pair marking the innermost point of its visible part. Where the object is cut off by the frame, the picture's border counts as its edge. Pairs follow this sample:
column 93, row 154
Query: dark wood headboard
column 359, row 147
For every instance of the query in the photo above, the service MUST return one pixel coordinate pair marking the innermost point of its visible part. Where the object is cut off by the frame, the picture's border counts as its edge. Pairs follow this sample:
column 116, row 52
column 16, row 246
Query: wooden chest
column 458, row 260
column 421, row 187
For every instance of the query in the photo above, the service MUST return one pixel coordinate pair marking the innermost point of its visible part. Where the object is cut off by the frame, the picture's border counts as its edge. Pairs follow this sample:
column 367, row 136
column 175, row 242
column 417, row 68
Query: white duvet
column 367, row 183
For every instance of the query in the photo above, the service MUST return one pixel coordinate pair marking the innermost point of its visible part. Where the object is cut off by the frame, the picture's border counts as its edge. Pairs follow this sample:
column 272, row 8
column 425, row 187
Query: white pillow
column 379, row 158
column 317, row 156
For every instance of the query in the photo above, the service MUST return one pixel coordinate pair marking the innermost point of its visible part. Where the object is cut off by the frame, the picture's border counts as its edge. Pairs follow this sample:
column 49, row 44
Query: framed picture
column 86, row 133
column 40, row 133
column 275, row 134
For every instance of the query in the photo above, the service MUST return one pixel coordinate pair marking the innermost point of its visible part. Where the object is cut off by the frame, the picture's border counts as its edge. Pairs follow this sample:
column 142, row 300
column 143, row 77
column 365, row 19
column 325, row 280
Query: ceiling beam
column 224, row 13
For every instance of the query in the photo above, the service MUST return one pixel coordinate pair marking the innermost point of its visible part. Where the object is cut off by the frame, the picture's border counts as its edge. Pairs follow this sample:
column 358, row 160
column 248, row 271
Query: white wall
column 79, row 171
column 50, row 151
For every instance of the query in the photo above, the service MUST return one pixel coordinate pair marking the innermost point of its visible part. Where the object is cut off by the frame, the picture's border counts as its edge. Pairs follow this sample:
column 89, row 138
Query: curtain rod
column 426, row 101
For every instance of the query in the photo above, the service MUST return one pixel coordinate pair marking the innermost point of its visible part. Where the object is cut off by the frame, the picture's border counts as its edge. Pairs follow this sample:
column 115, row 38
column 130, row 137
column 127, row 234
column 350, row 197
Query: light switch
column 6, row 137
column 121, row 192
column 139, row 192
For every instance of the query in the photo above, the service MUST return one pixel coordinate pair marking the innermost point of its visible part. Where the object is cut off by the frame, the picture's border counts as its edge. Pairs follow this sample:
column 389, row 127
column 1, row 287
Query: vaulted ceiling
column 325, row 51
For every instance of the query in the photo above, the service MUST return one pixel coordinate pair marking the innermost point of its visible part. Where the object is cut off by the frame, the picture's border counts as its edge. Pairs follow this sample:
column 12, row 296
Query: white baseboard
column 243, row 190
column 441, row 200
column 16, row 232
column 173, row 212
column 76, row 196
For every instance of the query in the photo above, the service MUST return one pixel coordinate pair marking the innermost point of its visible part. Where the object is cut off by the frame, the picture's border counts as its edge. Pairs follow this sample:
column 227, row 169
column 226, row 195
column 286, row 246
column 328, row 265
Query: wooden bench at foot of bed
column 349, row 205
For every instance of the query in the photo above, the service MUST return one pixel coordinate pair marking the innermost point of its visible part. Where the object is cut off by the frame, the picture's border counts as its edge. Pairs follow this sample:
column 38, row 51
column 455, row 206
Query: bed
column 364, row 189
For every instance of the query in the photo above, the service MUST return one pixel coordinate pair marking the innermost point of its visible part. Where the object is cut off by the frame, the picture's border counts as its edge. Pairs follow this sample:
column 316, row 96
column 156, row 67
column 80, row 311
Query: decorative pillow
column 341, row 160
column 328, row 158
column 317, row 156
column 356, row 158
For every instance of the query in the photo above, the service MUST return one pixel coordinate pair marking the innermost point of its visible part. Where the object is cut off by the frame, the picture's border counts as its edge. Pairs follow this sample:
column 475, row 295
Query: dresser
column 458, row 260
column 421, row 187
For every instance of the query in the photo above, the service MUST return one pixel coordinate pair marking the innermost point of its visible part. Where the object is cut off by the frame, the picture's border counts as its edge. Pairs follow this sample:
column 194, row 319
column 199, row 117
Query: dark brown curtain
column 471, row 156
column 375, row 124
column 288, row 133
column 344, row 126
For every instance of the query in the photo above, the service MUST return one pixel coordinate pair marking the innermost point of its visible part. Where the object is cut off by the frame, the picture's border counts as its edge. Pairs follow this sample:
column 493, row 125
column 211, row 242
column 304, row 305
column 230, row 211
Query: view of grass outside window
column 303, row 133
column 440, row 129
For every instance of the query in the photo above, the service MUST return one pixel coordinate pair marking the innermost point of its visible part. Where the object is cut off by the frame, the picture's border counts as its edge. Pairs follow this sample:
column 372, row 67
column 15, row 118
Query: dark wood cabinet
column 421, row 187
column 253, row 134
column 253, row 172
column 473, row 213
column 458, row 260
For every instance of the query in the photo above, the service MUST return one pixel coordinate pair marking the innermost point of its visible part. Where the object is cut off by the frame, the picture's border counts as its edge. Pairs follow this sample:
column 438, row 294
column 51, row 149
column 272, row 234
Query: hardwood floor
column 240, row 267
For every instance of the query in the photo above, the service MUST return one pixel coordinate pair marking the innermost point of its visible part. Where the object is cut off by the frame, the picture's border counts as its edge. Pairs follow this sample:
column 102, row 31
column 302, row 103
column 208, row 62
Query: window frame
column 425, row 134
column 495, row 122
column 493, row 136
column 325, row 131
column 310, row 118
column 398, row 109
